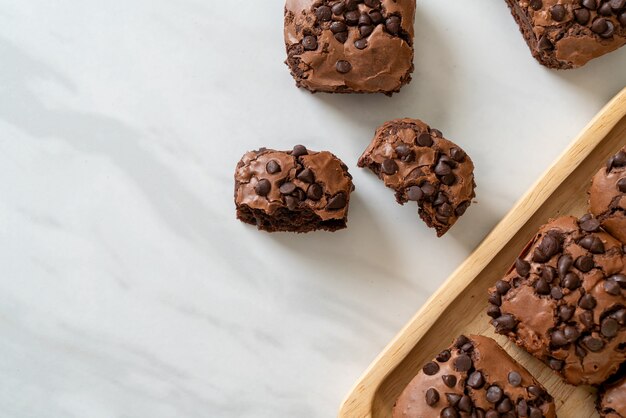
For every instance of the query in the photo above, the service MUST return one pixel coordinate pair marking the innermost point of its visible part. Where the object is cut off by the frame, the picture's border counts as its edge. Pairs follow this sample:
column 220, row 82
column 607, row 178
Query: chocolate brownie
column 612, row 399
column 350, row 46
column 566, row 34
column 422, row 166
column 474, row 378
column 298, row 190
column 563, row 300
column 607, row 197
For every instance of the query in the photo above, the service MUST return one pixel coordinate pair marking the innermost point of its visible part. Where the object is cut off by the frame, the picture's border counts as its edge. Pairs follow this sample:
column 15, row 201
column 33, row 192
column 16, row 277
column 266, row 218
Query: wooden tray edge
column 358, row 403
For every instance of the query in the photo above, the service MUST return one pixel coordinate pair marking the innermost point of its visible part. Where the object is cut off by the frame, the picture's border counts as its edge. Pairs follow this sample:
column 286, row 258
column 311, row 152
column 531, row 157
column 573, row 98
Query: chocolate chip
column 440, row 199
column 555, row 364
column 493, row 311
column 580, row 352
column 571, row 281
column 389, row 167
column 392, row 24
column 592, row 243
column 449, row 412
column 556, row 293
column 441, row 169
column 341, row 37
column 424, row 140
column 584, row 263
column 291, row 202
column 432, row 397
column 599, row 25
column 495, row 299
column 436, row 133
column 564, row 264
column 465, row 404
column 544, row 43
column 587, row 302
column 376, row 16
column 449, row 380
column 428, row 189
column 299, row 151
column 324, row 13
column 620, row 316
column 414, row 194
column 620, row 279
column 351, row 4
column 468, row 347
column 443, row 356
column 548, row 274
column 582, row 16
column 343, row 67
column 366, row 30
column 337, row 202
column 542, row 287
column 457, row 154
column 460, row 210
column 461, row 341
column 571, row 333
column 617, row 4
column 605, row 10
column 262, row 187
column 306, row 176
column 372, row 3
column 609, row 31
column 622, row 18
column 405, row 153
column 522, row 408
column 462, row 363
column 453, row 399
column 337, row 27
column 431, row 368
column 272, row 167
column 590, row 4
column 535, row 413
column 515, row 379
column 352, row 17
column 522, row 267
column 535, row 391
column 502, row 287
column 300, row 194
column 476, row 380
column 558, row 339
column 494, row 394
column 504, row 406
column 609, row 327
column 536, row 4
column 505, row 323
column 566, row 312
column 309, row 43
column 593, row 344
column 339, row 8
column 547, row 248
column 492, row 413
column 360, row 43
column 365, row 20
column 445, row 210
column 586, row 318
column 621, row 185
column 287, row 188
column 557, row 12
column 612, row 288
column 314, row 192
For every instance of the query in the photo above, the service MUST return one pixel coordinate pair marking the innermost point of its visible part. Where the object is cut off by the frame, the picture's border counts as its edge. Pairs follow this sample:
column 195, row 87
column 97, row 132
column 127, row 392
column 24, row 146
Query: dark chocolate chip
column 566, row 312
column 586, row 318
column 564, row 264
column 592, row 243
column 306, row 176
column 504, row 406
column 460, row 210
column 365, row 20
column 622, row 18
column 457, row 154
column 360, row 43
column 440, row 199
column 448, row 179
column 287, row 188
column 262, row 187
column 621, row 185
column 337, row 202
column 548, row 274
column 449, row 380
column 580, row 352
column 493, row 311
column 476, row 380
column 542, row 287
column 352, row 4
column 617, row 4
column 403, row 150
column 461, row 341
column 341, row 37
column 610, row 30
column 590, row 4
column 309, row 43
column 463, row 363
column 492, row 413
column 612, row 288
column 620, row 279
column 445, row 210
column 392, row 24
column 548, row 247
column 593, row 344
column 535, row 412
column 314, row 192
column 502, row 287
column 515, row 379
column 590, row 225
column 587, row 302
column 366, row 30
column 352, row 17
column 556, row 293
column 432, row 396
column 544, row 44
column 449, row 412
column 557, row 12
column 558, row 339
column 453, row 399
column 468, row 347
column 609, row 327
column 414, row 193
column 431, row 368
column 536, row 4
column 428, row 189
column 299, row 194
column 436, row 133
column 505, row 323
column 620, row 316
column 339, row 8
column 535, row 391
column 443, row 356
column 465, row 404
column 272, row 167
column 571, row 281
column 424, row 140
column 522, row 267
column 494, row 394
column 605, row 10
column 441, row 169
column 343, row 66
column 324, row 13
column 522, row 408
column 376, row 16
column 571, row 333
column 299, row 151
column 599, row 25
column 291, row 202
column 337, row 27
column 584, row 263
column 389, row 166
column 582, row 16
column 372, row 3
column 556, row 364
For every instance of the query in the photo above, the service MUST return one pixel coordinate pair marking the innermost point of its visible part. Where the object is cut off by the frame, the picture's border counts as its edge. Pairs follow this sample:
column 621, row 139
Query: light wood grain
column 459, row 305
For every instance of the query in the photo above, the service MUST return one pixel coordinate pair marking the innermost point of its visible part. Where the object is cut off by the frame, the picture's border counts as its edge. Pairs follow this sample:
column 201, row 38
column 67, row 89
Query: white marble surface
column 129, row 290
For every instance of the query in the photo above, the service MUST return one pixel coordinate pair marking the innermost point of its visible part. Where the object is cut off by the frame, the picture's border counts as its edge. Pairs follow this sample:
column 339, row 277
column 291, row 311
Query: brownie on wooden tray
column 612, row 398
column 422, row 166
column 350, row 46
column 474, row 378
column 567, row 34
column 563, row 300
column 298, row 191
column 607, row 197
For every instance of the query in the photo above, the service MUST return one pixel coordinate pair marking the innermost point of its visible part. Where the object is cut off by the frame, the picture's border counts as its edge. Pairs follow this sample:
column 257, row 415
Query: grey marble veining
column 128, row 289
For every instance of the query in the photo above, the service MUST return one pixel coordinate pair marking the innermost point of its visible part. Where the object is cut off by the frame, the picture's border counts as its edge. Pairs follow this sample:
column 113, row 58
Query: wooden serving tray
column 459, row 306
